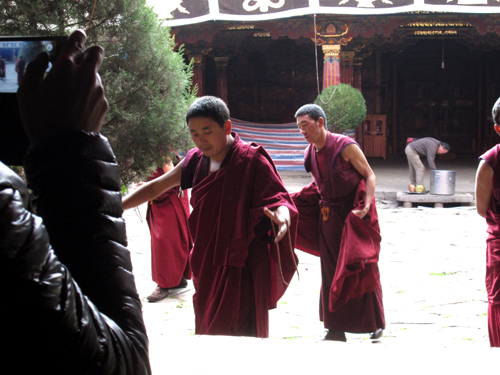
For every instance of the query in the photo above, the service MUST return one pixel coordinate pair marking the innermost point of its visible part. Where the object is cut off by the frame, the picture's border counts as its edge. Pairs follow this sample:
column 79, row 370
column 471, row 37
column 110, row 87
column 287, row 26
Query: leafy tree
column 147, row 83
column 344, row 107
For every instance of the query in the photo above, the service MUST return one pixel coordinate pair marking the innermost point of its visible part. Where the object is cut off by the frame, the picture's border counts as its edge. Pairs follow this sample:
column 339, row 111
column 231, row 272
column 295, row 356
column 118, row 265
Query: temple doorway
column 437, row 87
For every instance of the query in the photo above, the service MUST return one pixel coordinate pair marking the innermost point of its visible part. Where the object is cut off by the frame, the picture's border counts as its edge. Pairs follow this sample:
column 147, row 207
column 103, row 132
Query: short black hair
column 313, row 110
column 445, row 145
column 496, row 112
column 209, row 107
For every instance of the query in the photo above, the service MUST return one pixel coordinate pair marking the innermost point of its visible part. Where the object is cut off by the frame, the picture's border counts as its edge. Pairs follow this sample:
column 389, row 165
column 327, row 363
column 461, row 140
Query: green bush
column 344, row 107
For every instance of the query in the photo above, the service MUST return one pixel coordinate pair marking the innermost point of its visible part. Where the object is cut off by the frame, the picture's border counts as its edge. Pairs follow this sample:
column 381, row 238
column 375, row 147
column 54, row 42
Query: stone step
column 438, row 200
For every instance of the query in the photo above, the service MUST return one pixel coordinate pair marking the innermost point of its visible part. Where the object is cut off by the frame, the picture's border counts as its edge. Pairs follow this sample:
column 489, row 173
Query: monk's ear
column 227, row 127
column 497, row 129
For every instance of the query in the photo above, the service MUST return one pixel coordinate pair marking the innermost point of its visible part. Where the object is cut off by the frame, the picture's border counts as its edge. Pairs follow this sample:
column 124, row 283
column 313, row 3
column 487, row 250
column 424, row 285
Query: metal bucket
column 442, row 182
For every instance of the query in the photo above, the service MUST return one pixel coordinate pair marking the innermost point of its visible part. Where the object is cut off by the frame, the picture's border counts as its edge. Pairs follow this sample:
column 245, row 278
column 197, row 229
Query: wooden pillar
column 395, row 94
column 477, row 145
column 331, row 65
column 221, row 69
column 358, row 78
column 378, row 81
column 198, row 72
column 347, row 67
column 350, row 74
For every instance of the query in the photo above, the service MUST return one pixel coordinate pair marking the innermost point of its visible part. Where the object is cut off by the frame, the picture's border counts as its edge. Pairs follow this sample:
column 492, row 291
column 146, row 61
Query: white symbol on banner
column 162, row 7
column 366, row 3
column 262, row 4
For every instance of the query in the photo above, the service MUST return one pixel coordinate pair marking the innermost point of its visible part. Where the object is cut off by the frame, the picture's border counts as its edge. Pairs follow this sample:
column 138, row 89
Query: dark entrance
column 437, row 93
column 270, row 79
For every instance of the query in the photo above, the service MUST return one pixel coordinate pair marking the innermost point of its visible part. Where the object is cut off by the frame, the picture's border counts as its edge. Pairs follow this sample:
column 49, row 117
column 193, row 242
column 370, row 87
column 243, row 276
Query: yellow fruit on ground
column 419, row 189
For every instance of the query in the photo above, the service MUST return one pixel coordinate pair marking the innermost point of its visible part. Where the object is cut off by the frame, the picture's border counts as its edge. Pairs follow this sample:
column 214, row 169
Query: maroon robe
column 167, row 218
column 20, row 65
column 2, row 68
column 351, row 295
column 238, row 272
column 492, row 157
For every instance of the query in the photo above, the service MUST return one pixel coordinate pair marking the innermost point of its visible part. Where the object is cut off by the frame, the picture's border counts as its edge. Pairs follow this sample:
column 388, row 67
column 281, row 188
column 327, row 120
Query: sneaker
column 183, row 284
column 158, row 294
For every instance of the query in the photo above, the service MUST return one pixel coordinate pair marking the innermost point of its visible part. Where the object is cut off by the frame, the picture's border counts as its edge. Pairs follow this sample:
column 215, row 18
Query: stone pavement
column 432, row 266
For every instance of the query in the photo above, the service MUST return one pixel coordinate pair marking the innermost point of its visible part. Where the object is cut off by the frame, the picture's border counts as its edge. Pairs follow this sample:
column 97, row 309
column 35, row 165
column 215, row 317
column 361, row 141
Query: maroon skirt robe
column 492, row 157
column 237, row 273
column 167, row 218
column 351, row 295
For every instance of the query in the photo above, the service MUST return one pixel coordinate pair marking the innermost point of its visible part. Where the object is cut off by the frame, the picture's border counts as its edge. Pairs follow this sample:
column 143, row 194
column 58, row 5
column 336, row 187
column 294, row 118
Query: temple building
column 424, row 67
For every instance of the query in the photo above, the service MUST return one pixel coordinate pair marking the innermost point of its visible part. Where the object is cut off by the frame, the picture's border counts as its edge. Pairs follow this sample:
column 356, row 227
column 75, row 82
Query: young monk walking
column 239, row 271
column 338, row 221
column 488, row 206
column 170, row 244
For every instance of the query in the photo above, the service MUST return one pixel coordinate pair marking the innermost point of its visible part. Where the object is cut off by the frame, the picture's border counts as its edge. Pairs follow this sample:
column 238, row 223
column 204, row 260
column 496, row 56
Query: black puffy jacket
column 70, row 305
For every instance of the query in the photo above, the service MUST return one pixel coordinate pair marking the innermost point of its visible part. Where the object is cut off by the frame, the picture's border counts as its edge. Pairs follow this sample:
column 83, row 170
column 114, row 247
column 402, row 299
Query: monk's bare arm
column 154, row 188
column 484, row 187
column 354, row 154
column 282, row 218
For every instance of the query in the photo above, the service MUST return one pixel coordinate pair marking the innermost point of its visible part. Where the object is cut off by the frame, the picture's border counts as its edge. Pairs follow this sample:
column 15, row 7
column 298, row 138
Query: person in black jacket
column 70, row 305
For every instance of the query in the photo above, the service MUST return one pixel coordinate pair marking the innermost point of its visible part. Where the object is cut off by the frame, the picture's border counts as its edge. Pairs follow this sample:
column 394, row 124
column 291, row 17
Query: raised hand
column 71, row 97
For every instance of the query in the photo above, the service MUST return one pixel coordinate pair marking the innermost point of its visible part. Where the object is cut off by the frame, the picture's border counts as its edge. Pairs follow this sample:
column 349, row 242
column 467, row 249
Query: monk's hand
column 363, row 212
column 281, row 217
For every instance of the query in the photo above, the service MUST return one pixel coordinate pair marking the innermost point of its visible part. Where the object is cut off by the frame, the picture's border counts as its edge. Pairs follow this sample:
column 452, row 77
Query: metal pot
column 442, row 182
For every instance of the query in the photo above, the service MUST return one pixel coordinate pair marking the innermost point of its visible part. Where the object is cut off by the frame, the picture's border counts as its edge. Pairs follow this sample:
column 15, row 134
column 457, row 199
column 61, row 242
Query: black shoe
column 183, row 284
column 335, row 336
column 377, row 334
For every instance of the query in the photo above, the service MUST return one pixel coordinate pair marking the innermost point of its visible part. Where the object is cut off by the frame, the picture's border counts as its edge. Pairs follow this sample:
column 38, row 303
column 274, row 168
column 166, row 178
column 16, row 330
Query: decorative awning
column 184, row 12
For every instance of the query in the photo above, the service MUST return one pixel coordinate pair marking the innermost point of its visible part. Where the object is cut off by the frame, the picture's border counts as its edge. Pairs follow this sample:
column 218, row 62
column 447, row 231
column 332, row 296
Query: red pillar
column 357, row 83
column 347, row 67
column 221, row 69
column 198, row 72
column 358, row 62
column 331, row 65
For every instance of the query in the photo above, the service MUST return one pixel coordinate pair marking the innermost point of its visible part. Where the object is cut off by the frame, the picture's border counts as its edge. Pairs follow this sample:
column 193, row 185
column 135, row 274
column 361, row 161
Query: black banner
column 255, row 7
column 464, row 2
column 180, row 9
column 374, row 4
column 184, row 12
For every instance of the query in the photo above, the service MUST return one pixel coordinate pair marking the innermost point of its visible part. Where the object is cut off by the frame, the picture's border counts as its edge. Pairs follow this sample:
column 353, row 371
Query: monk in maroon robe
column 241, row 212
column 338, row 221
column 167, row 218
column 2, row 67
column 488, row 206
column 20, row 65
